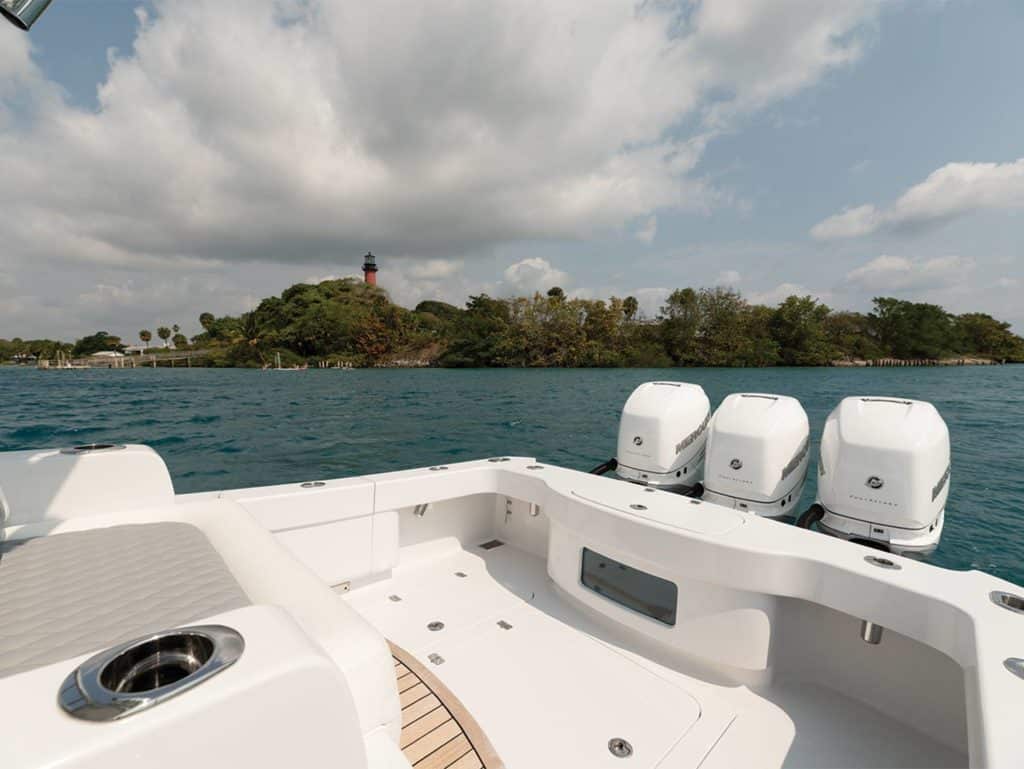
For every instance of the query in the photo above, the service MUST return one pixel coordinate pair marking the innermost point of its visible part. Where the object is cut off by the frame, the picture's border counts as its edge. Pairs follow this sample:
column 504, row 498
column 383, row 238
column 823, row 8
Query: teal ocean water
column 222, row 429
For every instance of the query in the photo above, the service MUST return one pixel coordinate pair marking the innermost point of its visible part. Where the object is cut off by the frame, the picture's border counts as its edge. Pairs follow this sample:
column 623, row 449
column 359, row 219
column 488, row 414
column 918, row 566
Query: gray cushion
column 69, row 594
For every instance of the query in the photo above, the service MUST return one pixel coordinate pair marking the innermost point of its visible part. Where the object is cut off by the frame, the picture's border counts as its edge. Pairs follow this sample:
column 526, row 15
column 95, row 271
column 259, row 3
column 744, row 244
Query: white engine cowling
column 662, row 434
column 757, row 454
column 883, row 475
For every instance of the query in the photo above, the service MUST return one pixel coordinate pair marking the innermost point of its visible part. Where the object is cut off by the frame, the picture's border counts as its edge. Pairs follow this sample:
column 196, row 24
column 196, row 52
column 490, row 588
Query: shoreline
column 197, row 360
column 918, row 362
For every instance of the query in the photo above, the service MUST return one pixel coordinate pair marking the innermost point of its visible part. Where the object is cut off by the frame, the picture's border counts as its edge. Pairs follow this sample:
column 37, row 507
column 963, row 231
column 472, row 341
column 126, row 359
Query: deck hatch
column 651, row 596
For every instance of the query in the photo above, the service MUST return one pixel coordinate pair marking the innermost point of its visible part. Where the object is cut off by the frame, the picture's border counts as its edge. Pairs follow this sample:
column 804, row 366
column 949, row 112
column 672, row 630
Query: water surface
column 222, row 429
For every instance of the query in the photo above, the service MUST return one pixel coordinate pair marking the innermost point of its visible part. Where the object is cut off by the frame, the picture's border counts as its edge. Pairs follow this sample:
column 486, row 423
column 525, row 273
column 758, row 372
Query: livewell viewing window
column 637, row 590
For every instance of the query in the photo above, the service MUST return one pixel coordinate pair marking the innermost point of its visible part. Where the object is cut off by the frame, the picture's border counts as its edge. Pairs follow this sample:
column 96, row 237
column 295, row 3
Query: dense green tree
column 722, row 332
column 440, row 310
column 981, row 334
column 913, row 330
column 798, row 327
column 28, row 350
column 479, row 337
column 352, row 321
column 680, row 324
column 851, row 336
column 146, row 336
column 101, row 341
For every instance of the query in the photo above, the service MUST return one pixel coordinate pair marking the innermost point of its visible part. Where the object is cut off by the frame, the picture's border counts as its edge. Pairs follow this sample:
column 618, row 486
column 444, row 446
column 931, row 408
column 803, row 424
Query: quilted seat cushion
column 69, row 594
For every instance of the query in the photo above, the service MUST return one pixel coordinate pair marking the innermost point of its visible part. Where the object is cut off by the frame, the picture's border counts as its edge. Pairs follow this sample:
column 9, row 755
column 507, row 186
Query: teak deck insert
column 437, row 730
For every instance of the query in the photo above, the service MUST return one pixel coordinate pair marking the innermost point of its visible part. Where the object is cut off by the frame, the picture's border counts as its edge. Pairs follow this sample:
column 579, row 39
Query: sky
column 159, row 159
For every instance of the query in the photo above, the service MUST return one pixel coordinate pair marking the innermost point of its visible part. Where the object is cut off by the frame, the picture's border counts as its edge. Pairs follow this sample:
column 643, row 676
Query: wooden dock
column 176, row 359
column 437, row 730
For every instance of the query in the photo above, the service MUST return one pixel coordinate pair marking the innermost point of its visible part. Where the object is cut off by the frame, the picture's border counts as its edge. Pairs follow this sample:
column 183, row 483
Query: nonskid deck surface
column 548, row 691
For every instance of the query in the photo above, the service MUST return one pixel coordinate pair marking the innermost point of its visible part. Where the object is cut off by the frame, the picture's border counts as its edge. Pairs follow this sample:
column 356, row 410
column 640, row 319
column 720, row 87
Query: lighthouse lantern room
column 370, row 269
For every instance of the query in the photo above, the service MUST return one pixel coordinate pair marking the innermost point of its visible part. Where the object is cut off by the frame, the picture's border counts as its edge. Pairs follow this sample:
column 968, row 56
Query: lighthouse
column 370, row 269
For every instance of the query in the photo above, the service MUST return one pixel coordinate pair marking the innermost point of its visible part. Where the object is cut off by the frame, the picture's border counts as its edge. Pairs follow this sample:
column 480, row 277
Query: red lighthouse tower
column 370, row 269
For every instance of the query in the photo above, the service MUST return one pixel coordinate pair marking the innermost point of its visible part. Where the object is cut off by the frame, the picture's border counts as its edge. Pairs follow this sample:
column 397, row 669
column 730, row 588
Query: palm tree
column 146, row 336
column 630, row 306
column 164, row 333
column 175, row 328
column 206, row 320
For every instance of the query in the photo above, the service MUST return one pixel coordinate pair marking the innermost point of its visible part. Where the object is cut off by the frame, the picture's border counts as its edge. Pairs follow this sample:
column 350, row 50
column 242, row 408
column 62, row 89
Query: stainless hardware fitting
column 1007, row 601
column 140, row 674
column 619, row 748
column 93, row 448
column 23, row 13
column 870, row 633
column 883, row 563
column 1015, row 665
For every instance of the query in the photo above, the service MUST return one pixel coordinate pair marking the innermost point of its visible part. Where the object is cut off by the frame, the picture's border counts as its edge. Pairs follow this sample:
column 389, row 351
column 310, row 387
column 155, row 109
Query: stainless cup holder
column 142, row 673
column 156, row 663
column 1008, row 601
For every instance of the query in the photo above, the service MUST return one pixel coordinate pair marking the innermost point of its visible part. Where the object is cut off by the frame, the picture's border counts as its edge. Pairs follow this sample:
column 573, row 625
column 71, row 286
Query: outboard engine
column 662, row 435
column 883, row 476
column 757, row 454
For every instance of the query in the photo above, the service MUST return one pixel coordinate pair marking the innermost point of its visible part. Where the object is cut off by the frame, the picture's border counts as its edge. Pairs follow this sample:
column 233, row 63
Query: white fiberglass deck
column 550, row 687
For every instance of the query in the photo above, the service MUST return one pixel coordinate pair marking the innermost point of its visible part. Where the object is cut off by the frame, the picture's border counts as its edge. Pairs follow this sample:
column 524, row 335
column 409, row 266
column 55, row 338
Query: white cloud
column 954, row 190
column 651, row 300
column 783, row 291
column 728, row 278
column 897, row 273
column 435, row 269
column 532, row 275
column 851, row 223
column 292, row 131
column 648, row 230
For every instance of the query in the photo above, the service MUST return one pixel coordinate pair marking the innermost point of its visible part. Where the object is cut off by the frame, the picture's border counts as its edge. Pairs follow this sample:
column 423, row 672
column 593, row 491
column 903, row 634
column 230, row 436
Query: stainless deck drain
column 619, row 748
column 435, row 626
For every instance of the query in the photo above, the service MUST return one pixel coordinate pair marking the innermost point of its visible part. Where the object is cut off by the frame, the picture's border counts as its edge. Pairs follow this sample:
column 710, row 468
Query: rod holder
column 23, row 13
column 870, row 633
